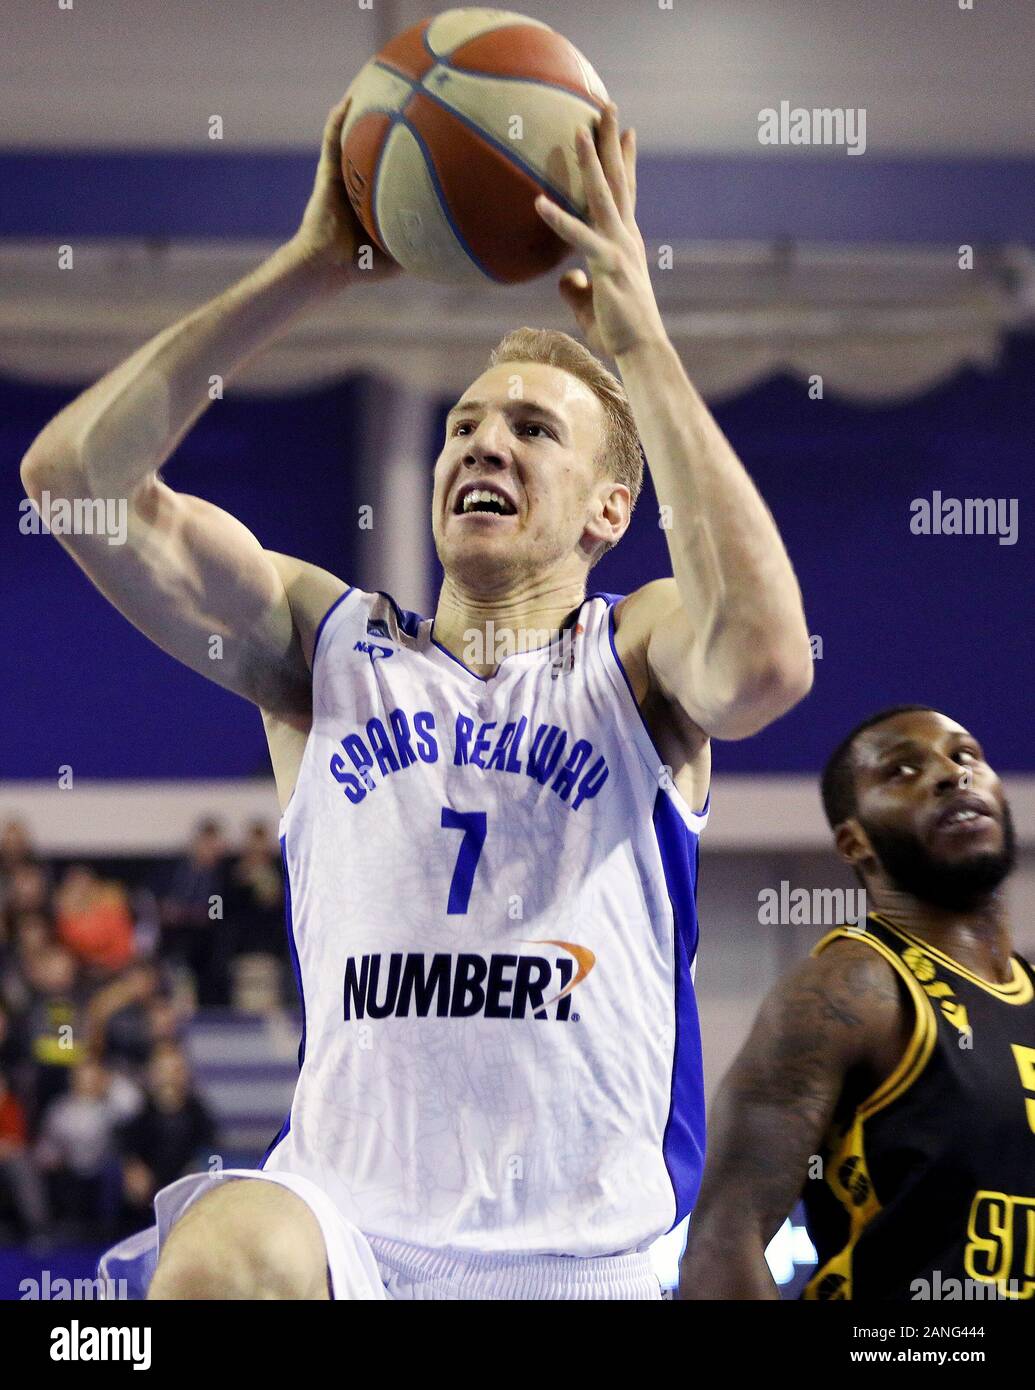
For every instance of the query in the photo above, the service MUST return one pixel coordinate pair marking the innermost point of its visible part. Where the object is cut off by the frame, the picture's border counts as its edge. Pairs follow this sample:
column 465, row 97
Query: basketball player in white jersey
column 490, row 818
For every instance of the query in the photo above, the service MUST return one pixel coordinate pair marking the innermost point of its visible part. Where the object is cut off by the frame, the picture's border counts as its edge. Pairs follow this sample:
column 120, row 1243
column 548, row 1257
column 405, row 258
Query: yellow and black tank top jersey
column 932, row 1177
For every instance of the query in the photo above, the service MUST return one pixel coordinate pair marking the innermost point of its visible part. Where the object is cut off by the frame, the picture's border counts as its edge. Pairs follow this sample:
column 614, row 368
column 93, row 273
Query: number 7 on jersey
column 472, row 823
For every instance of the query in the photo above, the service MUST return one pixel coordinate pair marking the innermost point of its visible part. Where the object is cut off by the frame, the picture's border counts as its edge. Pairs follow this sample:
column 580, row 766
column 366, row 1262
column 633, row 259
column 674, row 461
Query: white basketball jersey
column 491, row 909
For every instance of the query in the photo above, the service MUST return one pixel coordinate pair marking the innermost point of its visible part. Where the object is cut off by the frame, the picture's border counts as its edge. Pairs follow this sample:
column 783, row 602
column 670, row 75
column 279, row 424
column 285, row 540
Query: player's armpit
column 640, row 618
column 311, row 593
column 681, row 742
column 666, row 651
column 838, row 1016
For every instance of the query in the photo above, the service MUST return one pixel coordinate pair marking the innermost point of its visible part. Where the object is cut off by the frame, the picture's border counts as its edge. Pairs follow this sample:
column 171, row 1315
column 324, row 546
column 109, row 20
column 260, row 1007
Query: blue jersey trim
column 683, row 1145
column 408, row 620
column 293, row 951
column 467, row 669
column 612, row 599
column 474, row 674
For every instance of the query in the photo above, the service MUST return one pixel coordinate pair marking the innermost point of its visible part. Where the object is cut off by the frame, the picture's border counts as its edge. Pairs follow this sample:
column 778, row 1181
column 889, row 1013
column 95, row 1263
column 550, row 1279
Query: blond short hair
column 620, row 457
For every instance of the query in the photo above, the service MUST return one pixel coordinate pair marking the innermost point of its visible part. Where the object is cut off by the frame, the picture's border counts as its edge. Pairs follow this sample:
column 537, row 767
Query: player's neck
column 480, row 630
column 978, row 939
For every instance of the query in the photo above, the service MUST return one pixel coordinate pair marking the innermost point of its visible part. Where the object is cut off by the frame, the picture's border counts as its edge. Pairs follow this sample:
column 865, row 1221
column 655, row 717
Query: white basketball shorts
column 372, row 1267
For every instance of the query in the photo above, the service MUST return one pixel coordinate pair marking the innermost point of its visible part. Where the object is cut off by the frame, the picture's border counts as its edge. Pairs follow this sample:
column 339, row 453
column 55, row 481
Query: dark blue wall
column 808, row 194
column 946, row 621
column 902, row 617
column 83, row 686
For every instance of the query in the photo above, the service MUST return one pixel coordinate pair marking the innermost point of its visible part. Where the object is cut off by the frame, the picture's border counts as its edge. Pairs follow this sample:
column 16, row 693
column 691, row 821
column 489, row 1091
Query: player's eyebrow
column 912, row 746
column 897, row 749
column 513, row 408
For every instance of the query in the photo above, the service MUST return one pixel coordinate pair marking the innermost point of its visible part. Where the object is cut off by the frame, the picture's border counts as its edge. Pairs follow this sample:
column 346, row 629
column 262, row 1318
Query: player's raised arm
column 725, row 639
column 182, row 570
column 836, row 1020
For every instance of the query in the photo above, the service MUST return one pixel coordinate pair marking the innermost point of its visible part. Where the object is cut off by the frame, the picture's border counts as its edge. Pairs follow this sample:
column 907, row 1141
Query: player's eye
column 970, row 754
column 903, row 769
column 528, row 425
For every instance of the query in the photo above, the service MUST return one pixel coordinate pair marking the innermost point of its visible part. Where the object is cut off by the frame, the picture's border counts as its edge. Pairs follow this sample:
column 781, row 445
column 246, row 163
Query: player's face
column 531, row 434
column 933, row 810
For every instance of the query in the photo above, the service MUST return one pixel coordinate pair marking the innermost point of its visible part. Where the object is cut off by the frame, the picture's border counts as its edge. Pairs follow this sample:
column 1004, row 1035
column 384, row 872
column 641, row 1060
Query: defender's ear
column 852, row 843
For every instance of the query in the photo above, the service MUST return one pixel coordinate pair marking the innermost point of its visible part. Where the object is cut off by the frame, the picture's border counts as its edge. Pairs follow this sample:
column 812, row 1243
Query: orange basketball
column 454, row 128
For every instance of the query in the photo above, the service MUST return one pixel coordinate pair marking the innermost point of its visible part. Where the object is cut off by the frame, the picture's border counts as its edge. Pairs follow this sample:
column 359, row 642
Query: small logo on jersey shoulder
column 855, row 1180
column 373, row 649
column 920, row 964
column 923, row 967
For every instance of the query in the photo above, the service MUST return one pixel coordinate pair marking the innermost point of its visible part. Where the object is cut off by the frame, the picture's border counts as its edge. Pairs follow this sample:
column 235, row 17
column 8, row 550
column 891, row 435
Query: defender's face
column 529, row 434
column 923, row 776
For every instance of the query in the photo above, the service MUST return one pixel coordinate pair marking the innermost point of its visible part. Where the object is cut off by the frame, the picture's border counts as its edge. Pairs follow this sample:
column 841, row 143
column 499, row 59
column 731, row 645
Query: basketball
column 454, row 127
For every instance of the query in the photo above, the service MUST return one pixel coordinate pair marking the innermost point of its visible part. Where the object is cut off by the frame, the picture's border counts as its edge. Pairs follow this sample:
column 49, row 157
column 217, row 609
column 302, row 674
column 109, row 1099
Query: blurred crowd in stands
column 99, row 979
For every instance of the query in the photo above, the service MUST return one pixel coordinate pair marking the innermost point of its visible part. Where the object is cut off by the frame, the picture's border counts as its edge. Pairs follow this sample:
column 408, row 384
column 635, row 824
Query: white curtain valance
column 878, row 324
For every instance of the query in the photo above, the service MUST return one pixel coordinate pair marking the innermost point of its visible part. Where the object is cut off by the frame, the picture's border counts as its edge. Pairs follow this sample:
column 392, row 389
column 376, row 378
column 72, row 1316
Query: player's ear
column 612, row 521
column 852, row 842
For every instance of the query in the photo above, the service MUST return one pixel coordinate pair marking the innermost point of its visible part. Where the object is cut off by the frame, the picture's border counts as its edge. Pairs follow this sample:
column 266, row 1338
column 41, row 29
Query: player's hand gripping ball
column 330, row 235
column 614, row 304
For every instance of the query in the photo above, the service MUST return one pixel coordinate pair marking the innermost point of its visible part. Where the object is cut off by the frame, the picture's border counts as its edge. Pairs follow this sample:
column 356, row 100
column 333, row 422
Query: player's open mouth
column 964, row 817
column 482, row 501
